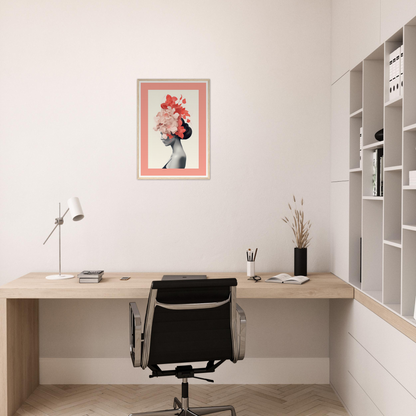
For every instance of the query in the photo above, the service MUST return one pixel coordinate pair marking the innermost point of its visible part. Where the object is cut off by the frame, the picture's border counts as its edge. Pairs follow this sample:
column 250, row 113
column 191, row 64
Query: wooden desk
column 19, row 315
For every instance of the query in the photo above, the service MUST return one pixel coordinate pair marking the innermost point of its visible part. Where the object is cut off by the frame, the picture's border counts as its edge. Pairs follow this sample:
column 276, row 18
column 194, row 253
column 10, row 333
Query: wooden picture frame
column 173, row 129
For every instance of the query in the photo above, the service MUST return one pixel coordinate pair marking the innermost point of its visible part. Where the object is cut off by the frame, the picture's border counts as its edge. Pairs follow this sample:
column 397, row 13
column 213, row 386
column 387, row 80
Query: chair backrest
column 190, row 321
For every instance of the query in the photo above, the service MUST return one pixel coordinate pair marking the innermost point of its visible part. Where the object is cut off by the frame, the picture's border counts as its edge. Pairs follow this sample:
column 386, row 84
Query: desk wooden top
column 35, row 286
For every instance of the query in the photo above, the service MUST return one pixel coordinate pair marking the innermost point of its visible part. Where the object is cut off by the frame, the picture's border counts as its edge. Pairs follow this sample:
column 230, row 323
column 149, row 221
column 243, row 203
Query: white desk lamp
column 74, row 208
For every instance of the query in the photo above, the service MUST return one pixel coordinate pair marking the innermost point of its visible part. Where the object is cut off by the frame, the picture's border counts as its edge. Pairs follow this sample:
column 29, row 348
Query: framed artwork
column 173, row 129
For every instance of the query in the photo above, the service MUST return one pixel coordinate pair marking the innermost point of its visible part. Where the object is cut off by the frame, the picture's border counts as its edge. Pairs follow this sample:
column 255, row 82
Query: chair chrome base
column 182, row 409
column 179, row 410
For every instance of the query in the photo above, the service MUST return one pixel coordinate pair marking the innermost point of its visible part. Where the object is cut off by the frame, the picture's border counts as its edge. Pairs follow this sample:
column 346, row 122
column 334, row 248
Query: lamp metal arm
column 58, row 221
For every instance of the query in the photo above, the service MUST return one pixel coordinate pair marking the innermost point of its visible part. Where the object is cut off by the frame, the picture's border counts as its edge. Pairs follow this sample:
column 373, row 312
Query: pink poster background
column 143, row 125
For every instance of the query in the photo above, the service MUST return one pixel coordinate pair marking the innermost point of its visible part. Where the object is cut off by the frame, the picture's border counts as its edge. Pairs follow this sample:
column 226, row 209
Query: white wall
column 360, row 26
column 68, row 74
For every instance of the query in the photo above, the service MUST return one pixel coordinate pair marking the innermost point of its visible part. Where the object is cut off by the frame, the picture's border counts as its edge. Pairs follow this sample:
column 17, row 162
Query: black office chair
column 186, row 322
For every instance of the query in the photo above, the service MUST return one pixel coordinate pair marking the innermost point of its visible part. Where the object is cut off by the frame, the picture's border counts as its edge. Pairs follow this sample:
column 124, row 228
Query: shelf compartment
column 375, row 294
column 355, row 215
column 393, row 131
column 409, row 273
column 409, row 155
column 392, row 275
column 392, row 205
column 409, row 208
column 373, row 105
column 367, row 155
column 395, row 307
column 356, row 87
column 409, row 108
column 355, row 125
column 372, row 246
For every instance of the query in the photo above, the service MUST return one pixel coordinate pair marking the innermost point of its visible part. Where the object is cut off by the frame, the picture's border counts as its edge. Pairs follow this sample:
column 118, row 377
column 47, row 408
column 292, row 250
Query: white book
column 96, row 280
column 92, row 274
column 374, row 173
column 287, row 278
column 401, row 69
column 381, row 161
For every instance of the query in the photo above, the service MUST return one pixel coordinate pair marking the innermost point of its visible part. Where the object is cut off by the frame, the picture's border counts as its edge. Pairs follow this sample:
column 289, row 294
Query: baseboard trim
column 340, row 399
column 248, row 371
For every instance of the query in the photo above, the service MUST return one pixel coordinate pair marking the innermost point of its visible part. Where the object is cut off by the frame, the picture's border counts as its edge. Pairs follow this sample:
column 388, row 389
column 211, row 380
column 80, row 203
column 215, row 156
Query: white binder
column 401, row 69
column 361, row 147
column 395, row 90
column 391, row 57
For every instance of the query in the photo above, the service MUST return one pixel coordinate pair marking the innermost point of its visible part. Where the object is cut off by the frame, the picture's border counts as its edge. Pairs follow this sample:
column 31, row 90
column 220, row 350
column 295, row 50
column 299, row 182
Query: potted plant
column 302, row 239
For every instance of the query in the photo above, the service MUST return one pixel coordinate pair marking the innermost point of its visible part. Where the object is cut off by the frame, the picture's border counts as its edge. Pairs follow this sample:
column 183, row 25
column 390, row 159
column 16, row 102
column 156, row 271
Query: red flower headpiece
column 169, row 120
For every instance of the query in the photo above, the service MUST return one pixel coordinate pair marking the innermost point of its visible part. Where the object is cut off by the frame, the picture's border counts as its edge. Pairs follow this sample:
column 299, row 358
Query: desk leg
column 19, row 352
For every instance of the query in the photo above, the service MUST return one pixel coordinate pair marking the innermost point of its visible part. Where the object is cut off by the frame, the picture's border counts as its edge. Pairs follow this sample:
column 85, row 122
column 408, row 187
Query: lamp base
column 60, row 276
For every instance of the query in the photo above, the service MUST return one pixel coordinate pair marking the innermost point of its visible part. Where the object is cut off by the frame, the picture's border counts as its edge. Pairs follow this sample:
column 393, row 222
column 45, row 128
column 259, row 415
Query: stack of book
column 412, row 178
column 91, row 276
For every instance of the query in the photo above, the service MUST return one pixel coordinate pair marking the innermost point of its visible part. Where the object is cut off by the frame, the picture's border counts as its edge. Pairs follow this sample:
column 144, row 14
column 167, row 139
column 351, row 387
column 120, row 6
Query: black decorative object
column 379, row 135
column 301, row 261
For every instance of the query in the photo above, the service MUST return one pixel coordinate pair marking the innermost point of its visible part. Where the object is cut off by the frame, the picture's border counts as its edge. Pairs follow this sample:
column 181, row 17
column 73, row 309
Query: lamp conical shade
column 75, row 209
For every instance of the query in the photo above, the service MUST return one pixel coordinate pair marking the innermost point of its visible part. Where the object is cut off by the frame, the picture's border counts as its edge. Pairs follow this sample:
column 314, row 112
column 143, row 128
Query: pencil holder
column 414, row 313
column 251, row 269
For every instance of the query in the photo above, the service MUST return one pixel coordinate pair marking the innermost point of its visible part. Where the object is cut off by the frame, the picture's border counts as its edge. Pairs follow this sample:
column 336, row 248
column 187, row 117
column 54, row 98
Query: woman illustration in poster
column 171, row 124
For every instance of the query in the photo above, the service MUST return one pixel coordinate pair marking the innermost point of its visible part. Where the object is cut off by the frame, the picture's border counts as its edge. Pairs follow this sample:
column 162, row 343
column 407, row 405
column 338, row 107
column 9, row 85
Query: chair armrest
column 241, row 331
column 135, row 335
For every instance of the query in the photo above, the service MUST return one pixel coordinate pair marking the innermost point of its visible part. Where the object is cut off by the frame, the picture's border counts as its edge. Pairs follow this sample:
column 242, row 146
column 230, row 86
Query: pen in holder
column 251, row 265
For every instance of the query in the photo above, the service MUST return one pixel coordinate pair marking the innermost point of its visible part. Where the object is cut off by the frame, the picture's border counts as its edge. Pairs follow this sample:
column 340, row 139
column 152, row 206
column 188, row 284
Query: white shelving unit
column 384, row 227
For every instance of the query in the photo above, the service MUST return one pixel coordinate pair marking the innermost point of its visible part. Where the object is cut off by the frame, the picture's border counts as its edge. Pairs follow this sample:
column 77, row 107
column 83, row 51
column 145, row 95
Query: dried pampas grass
column 299, row 227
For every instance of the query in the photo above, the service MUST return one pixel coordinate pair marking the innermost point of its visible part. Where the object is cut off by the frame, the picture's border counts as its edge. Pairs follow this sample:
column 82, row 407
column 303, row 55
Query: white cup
column 251, row 268
column 414, row 313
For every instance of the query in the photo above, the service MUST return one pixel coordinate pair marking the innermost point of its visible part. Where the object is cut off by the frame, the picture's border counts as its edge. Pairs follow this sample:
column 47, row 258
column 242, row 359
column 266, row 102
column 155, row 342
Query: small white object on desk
column 251, row 268
column 251, row 265
column 414, row 314
column 287, row 278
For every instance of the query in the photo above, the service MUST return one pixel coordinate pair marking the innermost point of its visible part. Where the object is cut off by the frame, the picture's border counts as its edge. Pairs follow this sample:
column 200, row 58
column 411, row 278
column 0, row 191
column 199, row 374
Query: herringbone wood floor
column 121, row 400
